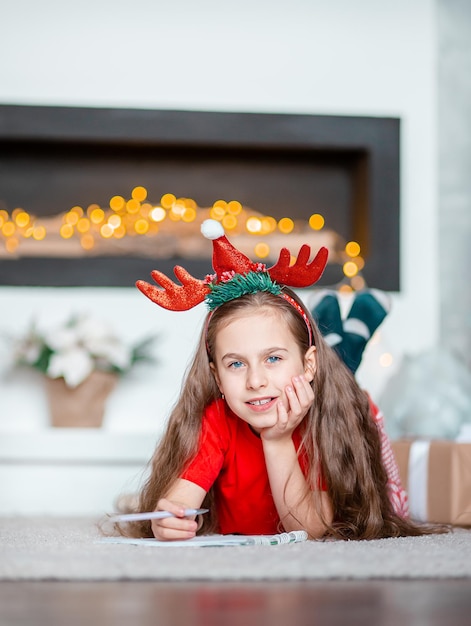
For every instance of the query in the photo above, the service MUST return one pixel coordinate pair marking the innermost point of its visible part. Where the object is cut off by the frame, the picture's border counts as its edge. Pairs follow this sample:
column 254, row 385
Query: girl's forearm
column 289, row 488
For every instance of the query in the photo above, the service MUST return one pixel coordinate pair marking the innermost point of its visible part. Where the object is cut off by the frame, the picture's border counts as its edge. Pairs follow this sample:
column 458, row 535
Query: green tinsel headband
column 240, row 285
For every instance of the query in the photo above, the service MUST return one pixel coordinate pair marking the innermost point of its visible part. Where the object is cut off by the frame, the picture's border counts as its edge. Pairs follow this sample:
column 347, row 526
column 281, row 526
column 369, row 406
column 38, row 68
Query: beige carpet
column 67, row 549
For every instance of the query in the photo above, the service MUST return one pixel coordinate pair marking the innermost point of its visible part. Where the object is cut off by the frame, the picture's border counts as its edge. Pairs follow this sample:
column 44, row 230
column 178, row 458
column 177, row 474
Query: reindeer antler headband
column 235, row 275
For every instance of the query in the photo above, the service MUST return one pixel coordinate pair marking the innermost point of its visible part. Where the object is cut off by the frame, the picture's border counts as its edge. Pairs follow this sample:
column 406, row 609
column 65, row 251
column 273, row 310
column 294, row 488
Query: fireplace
column 279, row 165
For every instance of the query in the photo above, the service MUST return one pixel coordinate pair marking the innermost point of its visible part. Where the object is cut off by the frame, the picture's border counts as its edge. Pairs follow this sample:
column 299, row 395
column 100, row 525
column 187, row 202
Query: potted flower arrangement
column 81, row 360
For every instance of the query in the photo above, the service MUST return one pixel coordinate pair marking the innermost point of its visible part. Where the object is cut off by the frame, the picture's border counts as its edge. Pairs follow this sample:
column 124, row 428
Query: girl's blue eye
column 236, row 364
column 273, row 359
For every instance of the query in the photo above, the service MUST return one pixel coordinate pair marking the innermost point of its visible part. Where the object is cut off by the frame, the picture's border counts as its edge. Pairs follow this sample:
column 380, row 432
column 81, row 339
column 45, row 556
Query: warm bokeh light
column 190, row 203
column 137, row 216
column 253, row 225
column 358, row 282
column 97, row 216
column 189, row 214
column 133, row 206
column 158, row 214
column 141, row 226
column 178, row 208
column 268, row 225
column 262, row 250
column 87, row 242
column 39, row 233
column 316, row 221
column 175, row 213
column 117, row 203
column 352, row 248
column 83, row 225
column 168, row 200
column 72, row 217
column 119, row 233
column 359, row 262
column 91, row 208
column 234, row 207
column 22, row 219
column 220, row 204
column 386, row 359
column 285, row 225
column 145, row 209
column 350, row 269
column 78, row 210
column 106, row 231
column 66, row 231
column 8, row 229
column 139, row 194
column 114, row 221
column 217, row 213
column 229, row 222
column 11, row 244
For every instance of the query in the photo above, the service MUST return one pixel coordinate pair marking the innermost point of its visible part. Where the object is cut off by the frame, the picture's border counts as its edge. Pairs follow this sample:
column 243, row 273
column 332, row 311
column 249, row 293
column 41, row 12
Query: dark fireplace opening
column 345, row 168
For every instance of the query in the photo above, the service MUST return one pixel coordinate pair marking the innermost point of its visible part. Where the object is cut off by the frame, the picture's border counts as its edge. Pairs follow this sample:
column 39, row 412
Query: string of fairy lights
column 137, row 217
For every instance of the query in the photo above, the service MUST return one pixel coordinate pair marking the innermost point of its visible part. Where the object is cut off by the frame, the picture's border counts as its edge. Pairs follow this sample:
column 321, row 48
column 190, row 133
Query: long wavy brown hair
column 339, row 434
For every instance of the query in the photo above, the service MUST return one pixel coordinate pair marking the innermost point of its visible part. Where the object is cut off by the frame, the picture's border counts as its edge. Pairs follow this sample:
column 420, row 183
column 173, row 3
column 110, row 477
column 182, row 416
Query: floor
column 335, row 603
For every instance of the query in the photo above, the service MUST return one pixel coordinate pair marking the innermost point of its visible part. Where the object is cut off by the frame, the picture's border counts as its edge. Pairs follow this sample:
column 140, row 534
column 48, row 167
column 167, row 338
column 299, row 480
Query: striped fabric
column 397, row 494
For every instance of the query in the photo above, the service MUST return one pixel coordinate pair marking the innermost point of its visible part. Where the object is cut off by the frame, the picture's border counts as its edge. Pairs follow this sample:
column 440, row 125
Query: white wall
column 369, row 57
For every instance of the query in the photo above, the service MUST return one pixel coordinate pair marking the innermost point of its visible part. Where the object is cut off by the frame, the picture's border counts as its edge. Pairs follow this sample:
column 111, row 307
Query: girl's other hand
column 299, row 397
column 174, row 528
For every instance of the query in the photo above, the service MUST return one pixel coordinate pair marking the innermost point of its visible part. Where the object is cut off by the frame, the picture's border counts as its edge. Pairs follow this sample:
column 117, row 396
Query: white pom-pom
column 212, row 229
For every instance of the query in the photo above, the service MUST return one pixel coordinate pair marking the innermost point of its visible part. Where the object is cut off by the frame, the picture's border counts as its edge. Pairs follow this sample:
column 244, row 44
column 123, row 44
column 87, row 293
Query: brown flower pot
column 82, row 406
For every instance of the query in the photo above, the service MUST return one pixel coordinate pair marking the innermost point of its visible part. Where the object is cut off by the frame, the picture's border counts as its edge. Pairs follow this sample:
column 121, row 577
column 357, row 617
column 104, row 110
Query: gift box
column 437, row 477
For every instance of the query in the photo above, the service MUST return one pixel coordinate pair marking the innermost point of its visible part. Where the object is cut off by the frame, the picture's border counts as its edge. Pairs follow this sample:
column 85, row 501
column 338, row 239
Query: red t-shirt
column 231, row 457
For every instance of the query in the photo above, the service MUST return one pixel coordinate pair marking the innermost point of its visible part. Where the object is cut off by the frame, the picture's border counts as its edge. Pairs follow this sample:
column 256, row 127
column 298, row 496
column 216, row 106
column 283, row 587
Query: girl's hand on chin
column 173, row 528
column 300, row 397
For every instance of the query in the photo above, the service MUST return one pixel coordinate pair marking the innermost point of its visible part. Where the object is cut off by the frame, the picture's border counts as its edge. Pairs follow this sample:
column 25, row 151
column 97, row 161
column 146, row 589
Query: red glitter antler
column 301, row 273
column 227, row 262
column 172, row 296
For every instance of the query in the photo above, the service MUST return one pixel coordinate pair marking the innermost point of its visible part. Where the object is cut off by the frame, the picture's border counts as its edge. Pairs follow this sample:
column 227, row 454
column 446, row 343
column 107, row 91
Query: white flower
column 77, row 348
column 61, row 339
column 113, row 351
column 74, row 365
column 28, row 350
column 89, row 330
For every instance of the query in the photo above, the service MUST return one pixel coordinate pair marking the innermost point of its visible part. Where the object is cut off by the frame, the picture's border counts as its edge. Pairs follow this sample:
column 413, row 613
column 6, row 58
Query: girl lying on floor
column 271, row 431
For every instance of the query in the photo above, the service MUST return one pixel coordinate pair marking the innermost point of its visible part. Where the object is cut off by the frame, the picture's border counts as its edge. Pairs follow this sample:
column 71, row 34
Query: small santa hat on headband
column 231, row 264
column 226, row 258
